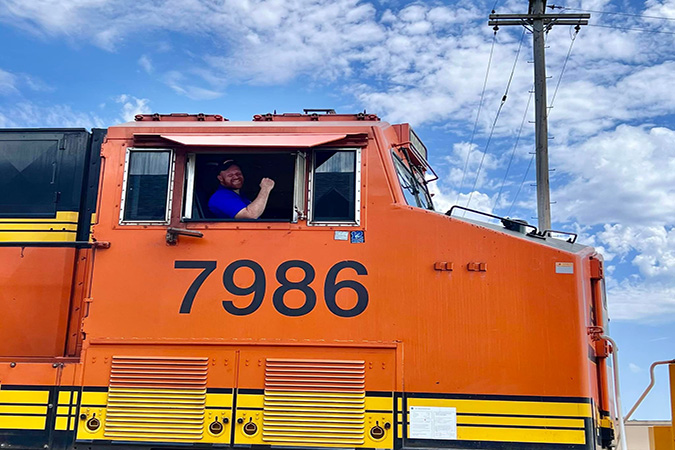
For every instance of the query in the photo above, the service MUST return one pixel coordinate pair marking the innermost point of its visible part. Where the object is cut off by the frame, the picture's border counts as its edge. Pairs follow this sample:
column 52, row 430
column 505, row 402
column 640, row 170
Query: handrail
column 503, row 219
column 571, row 240
column 621, row 438
column 652, row 381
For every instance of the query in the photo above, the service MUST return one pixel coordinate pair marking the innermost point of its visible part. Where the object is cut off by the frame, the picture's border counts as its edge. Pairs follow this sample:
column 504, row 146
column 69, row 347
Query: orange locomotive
column 350, row 314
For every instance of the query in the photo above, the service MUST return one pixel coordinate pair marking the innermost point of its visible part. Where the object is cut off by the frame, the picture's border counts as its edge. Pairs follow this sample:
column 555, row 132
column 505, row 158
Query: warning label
column 428, row 422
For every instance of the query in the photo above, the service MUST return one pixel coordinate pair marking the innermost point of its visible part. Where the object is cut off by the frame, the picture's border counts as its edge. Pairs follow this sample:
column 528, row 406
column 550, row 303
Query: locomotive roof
column 560, row 244
column 251, row 124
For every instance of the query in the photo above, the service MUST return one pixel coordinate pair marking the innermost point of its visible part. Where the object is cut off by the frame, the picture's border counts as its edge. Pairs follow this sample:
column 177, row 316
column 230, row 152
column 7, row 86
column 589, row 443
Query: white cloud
column 644, row 302
column 27, row 114
column 146, row 64
column 176, row 81
column 7, row 83
column 132, row 106
column 625, row 175
column 634, row 368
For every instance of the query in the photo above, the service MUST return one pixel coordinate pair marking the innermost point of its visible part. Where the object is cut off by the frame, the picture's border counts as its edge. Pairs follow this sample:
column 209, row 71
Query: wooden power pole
column 539, row 23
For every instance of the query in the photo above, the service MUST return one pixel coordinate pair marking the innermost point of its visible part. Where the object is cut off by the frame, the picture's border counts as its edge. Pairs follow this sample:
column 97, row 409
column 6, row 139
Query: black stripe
column 386, row 394
column 69, row 244
column 25, row 414
column 530, row 398
column 26, row 404
column 38, row 231
column 218, row 407
column 379, row 411
column 40, row 222
column 234, row 408
column 27, row 387
column 241, row 408
column 589, row 428
column 218, row 390
column 251, row 391
column 490, row 445
column 95, row 389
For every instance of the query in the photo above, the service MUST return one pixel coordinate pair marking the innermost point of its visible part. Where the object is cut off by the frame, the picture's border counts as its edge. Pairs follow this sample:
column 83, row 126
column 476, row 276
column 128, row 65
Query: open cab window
column 148, row 180
column 202, row 182
column 320, row 185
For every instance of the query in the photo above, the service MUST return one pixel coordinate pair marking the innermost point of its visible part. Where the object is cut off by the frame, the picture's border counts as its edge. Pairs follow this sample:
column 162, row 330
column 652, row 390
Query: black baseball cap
column 227, row 164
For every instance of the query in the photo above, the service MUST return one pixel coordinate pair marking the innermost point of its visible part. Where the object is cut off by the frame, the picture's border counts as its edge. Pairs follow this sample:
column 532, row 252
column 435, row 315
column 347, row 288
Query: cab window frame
column 169, row 190
column 311, row 188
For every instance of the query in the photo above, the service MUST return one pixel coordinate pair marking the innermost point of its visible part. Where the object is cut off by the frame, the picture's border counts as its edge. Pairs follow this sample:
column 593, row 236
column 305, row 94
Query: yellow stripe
column 249, row 401
column 379, row 403
column 521, row 421
column 25, row 397
column 64, row 398
column 61, row 216
column 63, row 410
column 39, row 226
column 61, row 423
column 219, row 400
column 521, row 435
column 22, row 409
column 508, row 407
column 94, row 398
column 22, row 423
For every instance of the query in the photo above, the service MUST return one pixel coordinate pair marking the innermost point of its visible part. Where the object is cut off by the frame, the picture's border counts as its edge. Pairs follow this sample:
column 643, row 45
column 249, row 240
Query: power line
column 612, row 13
column 521, row 185
column 480, row 107
column 494, row 123
column 562, row 71
column 631, row 29
column 513, row 152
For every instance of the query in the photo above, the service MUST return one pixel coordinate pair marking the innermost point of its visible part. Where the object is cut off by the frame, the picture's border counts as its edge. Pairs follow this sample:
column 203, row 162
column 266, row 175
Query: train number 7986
column 258, row 288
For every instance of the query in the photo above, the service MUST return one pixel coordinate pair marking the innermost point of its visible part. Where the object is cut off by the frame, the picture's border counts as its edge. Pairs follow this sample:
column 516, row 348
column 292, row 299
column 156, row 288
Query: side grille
column 156, row 399
column 314, row 402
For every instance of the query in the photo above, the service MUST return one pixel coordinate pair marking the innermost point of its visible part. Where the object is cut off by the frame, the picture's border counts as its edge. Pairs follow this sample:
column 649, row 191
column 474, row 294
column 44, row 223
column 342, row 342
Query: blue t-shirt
column 225, row 203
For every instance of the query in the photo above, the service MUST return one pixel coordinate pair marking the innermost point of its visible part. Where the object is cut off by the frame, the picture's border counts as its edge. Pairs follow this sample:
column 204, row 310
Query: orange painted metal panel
column 36, row 287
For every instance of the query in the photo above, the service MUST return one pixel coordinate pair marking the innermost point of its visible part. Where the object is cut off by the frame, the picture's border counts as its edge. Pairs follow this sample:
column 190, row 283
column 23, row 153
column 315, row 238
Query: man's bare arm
column 255, row 209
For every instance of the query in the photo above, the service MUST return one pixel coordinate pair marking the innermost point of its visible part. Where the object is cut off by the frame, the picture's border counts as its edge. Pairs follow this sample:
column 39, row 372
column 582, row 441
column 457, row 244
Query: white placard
column 341, row 235
column 428, row 422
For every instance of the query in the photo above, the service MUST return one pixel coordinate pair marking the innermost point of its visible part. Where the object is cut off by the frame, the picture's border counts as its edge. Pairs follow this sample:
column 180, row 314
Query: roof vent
column 315, row 115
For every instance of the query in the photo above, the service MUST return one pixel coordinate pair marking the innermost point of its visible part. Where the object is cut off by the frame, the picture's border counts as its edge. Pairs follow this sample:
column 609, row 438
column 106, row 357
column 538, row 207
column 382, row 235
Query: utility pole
column 539, row 23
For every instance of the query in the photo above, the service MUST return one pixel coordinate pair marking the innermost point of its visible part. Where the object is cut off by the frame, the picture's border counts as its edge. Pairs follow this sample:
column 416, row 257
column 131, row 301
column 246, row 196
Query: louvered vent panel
column 156, row 399
column 314, row 402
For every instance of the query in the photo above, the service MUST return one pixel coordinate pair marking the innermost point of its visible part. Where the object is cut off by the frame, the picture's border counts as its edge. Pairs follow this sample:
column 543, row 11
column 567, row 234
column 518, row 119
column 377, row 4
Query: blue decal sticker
column 357, row 237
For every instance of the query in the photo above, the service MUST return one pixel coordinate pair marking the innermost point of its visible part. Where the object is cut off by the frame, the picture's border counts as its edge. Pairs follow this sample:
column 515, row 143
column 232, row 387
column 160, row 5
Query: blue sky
column 94, row 63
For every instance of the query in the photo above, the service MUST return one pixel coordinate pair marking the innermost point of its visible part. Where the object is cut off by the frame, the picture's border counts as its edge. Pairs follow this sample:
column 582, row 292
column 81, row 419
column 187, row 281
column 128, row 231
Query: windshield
column 413, row 186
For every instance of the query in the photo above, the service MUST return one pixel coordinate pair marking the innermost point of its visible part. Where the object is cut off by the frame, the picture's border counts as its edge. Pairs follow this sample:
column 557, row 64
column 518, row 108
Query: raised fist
column 266, row 184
